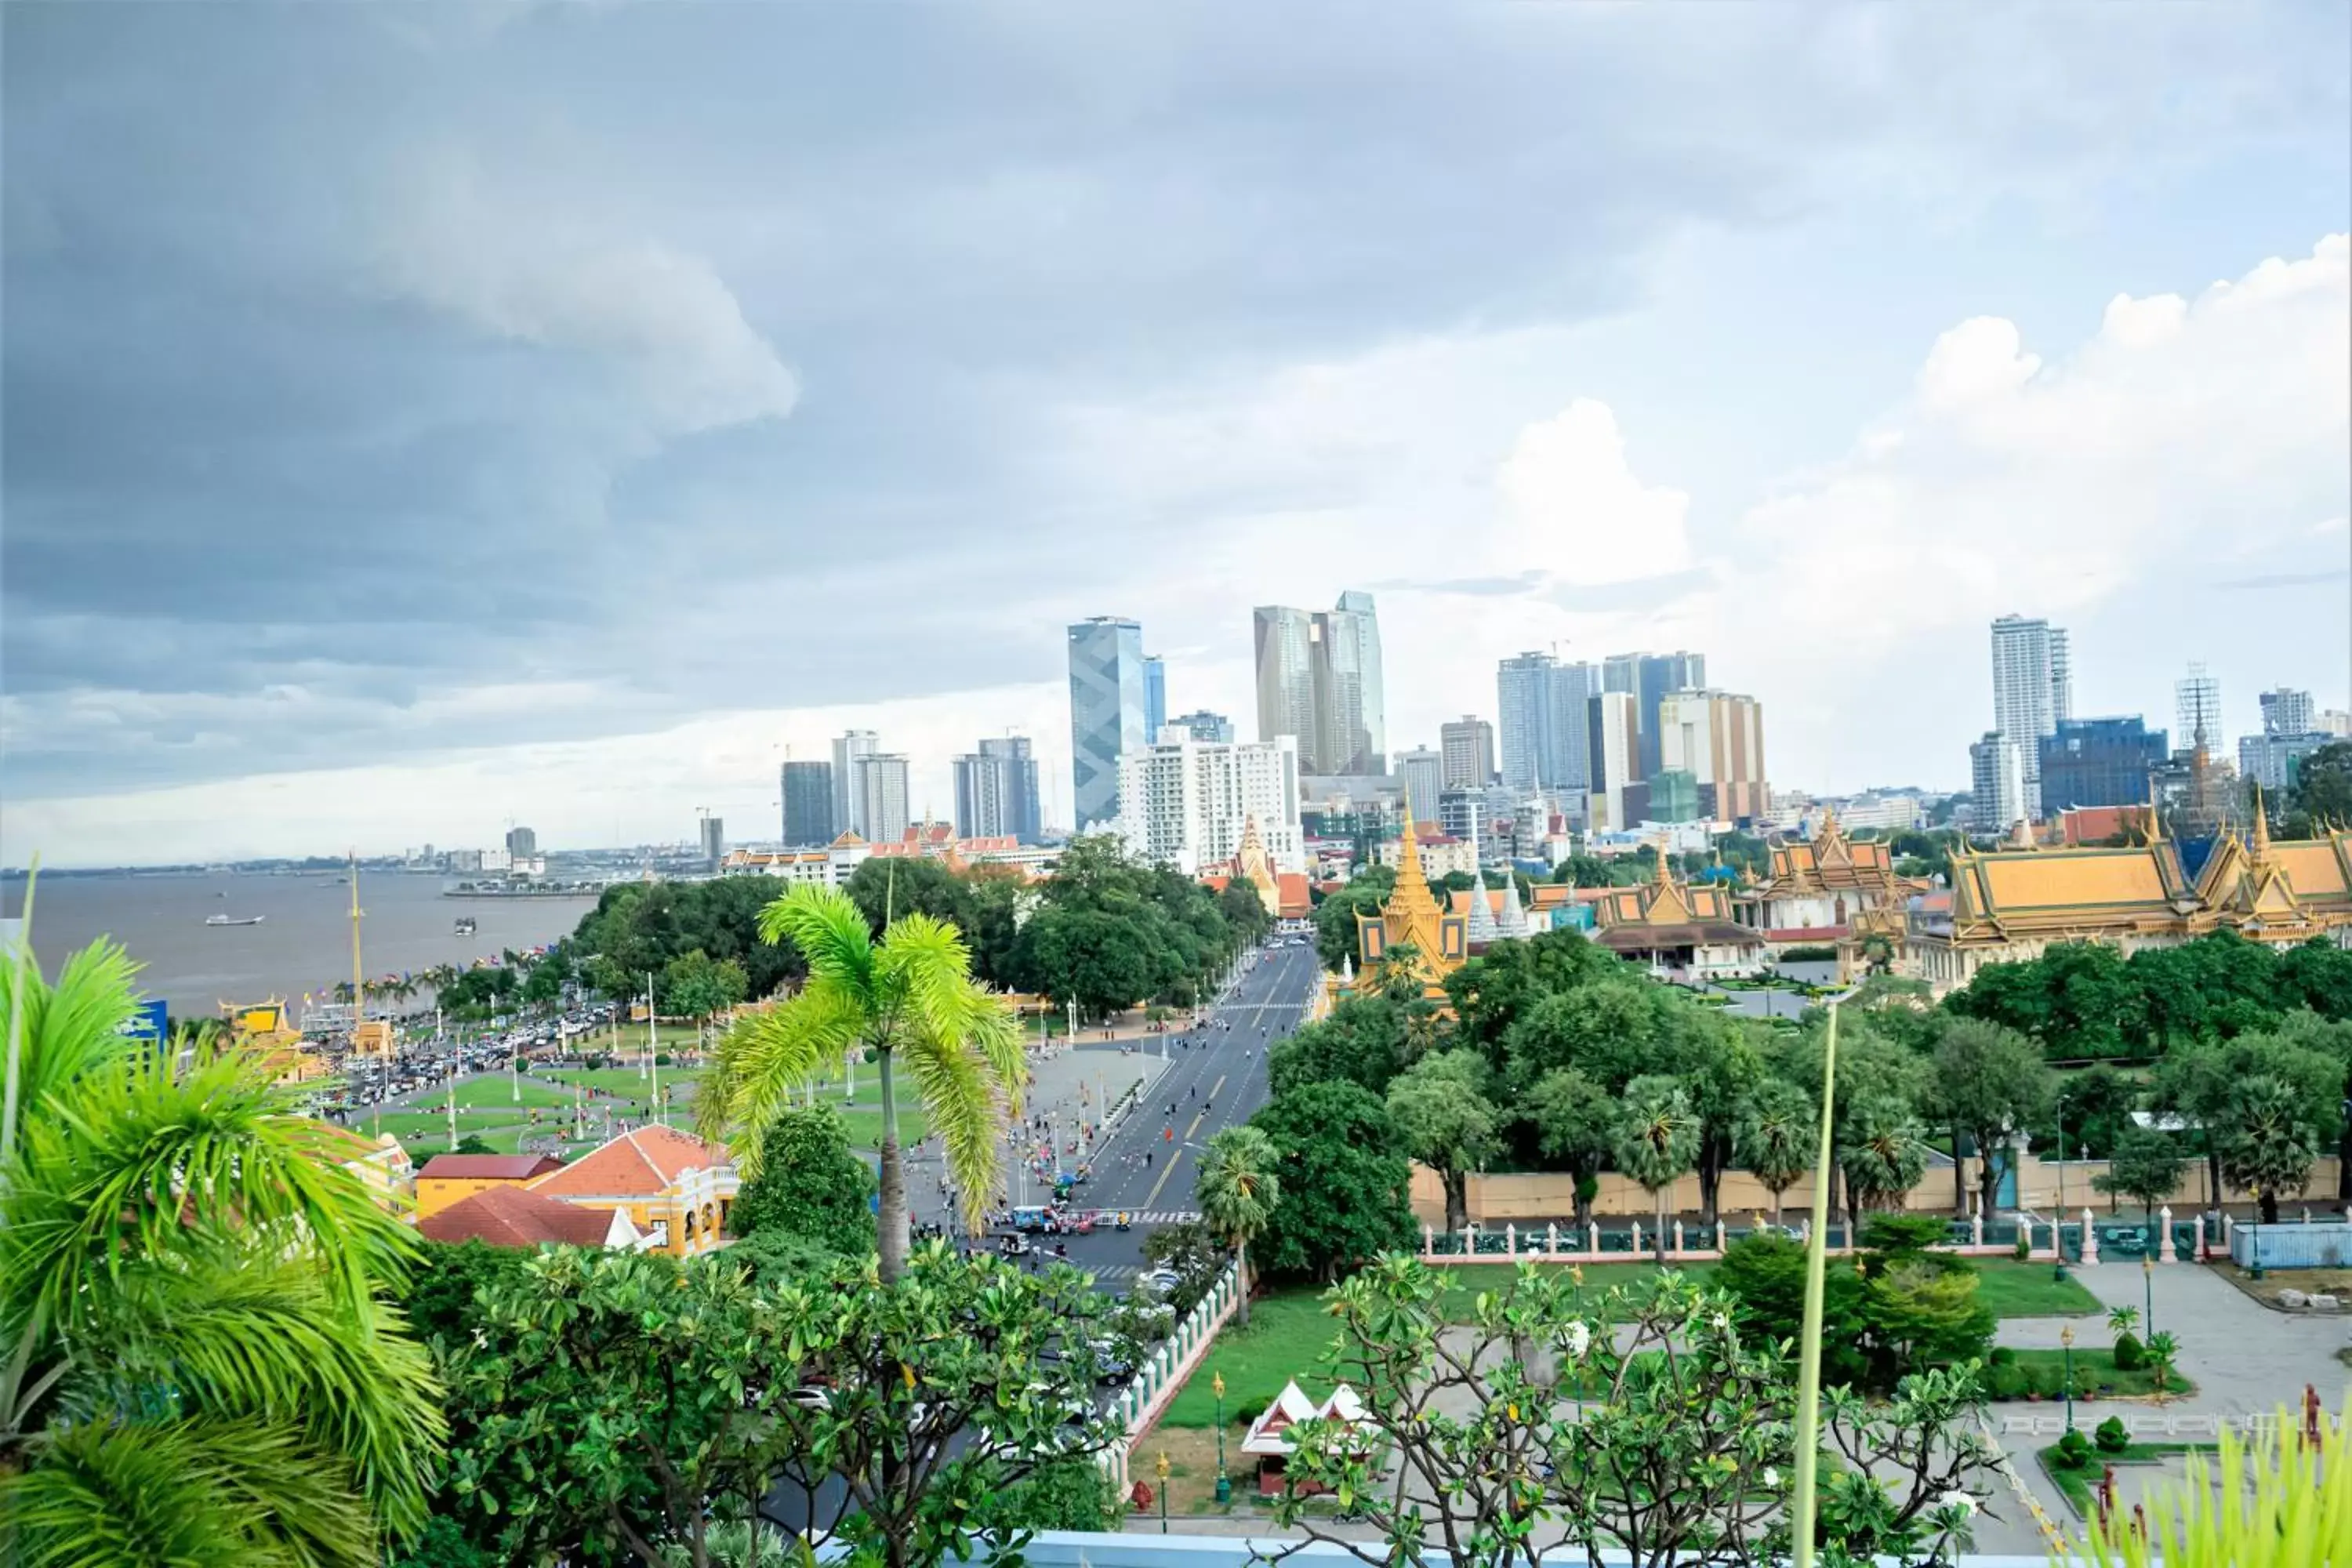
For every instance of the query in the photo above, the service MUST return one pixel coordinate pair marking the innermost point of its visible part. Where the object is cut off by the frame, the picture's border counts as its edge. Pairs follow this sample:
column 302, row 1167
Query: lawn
column 2077, row 1486
column 1286, row 1337
column 499, row 1094
column 2099, row 1364
column 2014, row 1289
column 1469, row 1279
column 626, row 1082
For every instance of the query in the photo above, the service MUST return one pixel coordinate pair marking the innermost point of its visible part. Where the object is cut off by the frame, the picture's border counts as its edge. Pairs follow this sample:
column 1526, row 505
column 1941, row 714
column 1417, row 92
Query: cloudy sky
column 421, row 417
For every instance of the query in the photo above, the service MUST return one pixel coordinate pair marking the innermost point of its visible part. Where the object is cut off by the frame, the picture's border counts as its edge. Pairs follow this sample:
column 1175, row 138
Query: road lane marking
column 1153, row 1195
column 1217, row 1087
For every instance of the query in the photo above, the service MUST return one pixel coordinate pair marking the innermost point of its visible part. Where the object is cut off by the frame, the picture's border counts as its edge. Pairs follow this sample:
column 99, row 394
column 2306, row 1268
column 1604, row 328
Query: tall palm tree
column 909, row 995
column 1774, row 1137
column 1238, row 1189
column 202, row 1367
column 1657, row 1141
column 1886, row 1151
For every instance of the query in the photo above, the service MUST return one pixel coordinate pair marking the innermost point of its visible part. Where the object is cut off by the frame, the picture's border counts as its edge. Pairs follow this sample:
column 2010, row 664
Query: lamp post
column 2254, row 1231
column 2066, row 1351
column 2147, row 1283
column 1161, row 1468
column 1225, row 1484
column 2058, row 1227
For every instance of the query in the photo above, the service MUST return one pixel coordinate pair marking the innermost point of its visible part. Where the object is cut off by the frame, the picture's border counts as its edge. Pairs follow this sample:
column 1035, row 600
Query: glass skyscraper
column 2099, row 761
column 1155, row 695
column 1106, row 712
column 1318, row 680
column 808, row 805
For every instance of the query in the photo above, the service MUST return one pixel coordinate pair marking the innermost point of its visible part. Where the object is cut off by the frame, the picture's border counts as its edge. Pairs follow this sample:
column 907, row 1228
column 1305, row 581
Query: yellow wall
column 434, row 1193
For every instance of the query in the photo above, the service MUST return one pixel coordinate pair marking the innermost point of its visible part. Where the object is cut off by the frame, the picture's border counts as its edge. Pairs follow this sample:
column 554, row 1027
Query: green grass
column 2105, row 1377
column 1286, row 1337
column 1469, row 1279
column 2014, row 1289
column 2077, row 1486
column 624, row 1081
column 499, row 1094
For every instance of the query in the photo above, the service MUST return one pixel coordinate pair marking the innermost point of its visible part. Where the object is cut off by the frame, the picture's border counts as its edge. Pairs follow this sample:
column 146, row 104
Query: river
column 303, row 945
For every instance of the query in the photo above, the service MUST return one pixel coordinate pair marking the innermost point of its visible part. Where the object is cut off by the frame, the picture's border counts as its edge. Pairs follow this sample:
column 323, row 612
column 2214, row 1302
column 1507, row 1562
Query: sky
column 422, row 418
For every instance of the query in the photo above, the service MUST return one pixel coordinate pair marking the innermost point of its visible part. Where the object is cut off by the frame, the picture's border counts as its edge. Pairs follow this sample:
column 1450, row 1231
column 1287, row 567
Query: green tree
column 695, row 986
column 809, row 1184
column 887, row 887
column 2146, row 1165
column 1440, row 1106
column 955, row 1385
column 1245, row 913
column 2199, row 1082
column 1335, row 917
column 1492, row 991
column 1344, row 1185
column 474, row 1143
column 2265, row 1142
column 2323, row 784
column 1362, row 1041
column 2078, row 999
column 608, row 1403
column 1778, row 1129
column 1657, row 1141
column 1576, row 1124
column 907, row 996
column 1238, row 1189
column 1885, row 1153
column 203, row 1367
column 1989, row 1082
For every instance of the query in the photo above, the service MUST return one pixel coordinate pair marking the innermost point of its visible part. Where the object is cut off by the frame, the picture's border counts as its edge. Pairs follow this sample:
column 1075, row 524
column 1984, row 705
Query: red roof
column 516, row 1216
column 1292, row 898
column 636, row 1164
column 488, row 1167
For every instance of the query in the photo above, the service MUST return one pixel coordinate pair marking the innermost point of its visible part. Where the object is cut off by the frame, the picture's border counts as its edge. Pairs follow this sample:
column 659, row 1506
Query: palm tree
column 1238, row 1189
column 910, row 995
column 1885, row 1152
column 2265, row 1145
column 1774, row 1137
column 203, row 1367
column 1657, row 1141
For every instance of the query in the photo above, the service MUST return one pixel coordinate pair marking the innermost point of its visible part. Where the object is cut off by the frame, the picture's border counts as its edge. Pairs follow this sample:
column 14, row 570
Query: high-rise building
column 1350, row 694
column 1674, row 796
column 808, row 796
column 1318, row 680
column 1203, row 725
column 877, row 789
column 1422, row 773
column 2336, row 723
column 2032, row 688
column 1621, row 672
column 1997, row 782
column 1107, row 691
column 2197, row 698
column 522, row 842
column 996, row 791
column 1467, row 744
column 1717, row 738
column 1545, row 726
column 1155, row 695
column 2099, row 761
column 1185, row 803
column 848, row 807
column 714, row 842
column 2273, row 761
column 1651, row 678
column 2289, row 712
column 1616, row 787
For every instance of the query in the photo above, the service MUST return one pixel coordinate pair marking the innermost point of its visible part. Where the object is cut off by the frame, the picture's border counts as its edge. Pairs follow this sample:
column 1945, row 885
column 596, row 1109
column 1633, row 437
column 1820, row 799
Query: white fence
column 2179, row 1429
column 1163, row 1371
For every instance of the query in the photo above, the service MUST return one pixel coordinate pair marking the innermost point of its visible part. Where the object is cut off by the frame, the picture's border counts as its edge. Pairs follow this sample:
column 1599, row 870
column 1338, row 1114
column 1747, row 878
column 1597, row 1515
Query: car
column 1164, row 1280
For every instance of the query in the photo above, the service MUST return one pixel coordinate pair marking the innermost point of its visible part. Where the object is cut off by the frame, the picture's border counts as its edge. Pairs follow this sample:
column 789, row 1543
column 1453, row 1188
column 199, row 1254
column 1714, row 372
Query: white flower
column 1771, row 1478
column 1579, row 1337
column 1958, row 1499
column 1721, row 1321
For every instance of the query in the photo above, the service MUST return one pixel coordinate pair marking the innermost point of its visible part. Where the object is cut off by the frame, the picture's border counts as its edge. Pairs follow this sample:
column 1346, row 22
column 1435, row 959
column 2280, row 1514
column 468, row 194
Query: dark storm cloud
column 380, row 379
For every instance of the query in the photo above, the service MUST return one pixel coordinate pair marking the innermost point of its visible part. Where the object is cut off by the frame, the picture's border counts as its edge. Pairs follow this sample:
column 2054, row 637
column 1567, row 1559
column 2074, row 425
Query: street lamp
column 2058, row 1229
column 1161, row 1467
column 2066, row 1348
column 1225, row 1484
column 2147, row 1281
column 2254, row 1243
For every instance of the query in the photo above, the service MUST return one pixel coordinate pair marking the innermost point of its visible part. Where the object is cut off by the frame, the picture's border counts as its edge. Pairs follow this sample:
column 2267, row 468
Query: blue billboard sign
column 146, row 1022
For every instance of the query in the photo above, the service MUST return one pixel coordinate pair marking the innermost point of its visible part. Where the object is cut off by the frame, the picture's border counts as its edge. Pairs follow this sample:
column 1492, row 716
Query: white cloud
column 1573, row 506
column 666, row 317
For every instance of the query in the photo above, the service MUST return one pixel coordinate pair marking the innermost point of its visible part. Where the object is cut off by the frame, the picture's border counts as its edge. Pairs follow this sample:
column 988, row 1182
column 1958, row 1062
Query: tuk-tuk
column 1035, row 1220
column 1063, row 1187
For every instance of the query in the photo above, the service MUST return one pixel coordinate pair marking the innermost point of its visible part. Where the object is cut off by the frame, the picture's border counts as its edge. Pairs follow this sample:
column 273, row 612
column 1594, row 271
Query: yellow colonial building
column 2010, row 904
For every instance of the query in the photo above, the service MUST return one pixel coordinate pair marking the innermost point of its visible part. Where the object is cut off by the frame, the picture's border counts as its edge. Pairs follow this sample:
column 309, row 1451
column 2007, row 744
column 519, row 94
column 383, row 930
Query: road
column 1215, row 1078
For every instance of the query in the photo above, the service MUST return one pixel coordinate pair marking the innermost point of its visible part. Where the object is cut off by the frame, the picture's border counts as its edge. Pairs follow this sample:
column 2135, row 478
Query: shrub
column 2130, row 1356
column 2023, row 1251
column 1901, row 1234
column 2002, row 1356
column 2112, row 1437
column 2004, row 1380
column 1810, row 953
column 2073, row 1451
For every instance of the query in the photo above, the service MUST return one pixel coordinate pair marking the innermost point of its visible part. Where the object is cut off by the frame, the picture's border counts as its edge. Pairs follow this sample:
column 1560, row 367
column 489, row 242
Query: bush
column 1818, row 953
column 2130, row 1355
column 2112, row 1436
column 2002, row 1356
column 663, row 1059
column 2023, row 1251
column 2004, row 1380
column 1901, row 1234
column 2073, row 1451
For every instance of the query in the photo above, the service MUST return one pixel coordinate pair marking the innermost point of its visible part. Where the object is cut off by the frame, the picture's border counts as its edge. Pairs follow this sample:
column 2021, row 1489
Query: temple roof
column 1828, row 862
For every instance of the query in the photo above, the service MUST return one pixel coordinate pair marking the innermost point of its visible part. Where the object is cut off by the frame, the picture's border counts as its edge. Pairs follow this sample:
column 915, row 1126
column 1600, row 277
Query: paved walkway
column 2245, row 1358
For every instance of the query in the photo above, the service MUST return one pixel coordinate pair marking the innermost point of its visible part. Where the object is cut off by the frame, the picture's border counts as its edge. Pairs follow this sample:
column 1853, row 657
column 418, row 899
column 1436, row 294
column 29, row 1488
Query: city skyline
column 572, row 474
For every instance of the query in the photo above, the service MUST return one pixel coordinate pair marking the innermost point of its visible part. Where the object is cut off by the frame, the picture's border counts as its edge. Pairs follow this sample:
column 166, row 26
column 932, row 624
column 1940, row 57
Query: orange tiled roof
column 642, row 1163
column 488, row 1167
column 515, row 1216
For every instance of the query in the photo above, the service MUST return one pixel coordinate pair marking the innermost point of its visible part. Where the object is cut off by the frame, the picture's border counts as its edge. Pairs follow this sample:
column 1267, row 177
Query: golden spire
column 2261, row 843
column 1662, row 876
column 1412, row 883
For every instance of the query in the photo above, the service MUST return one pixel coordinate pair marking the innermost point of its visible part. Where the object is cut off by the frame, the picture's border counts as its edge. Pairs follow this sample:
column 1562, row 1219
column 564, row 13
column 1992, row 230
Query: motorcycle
column 1122, row 1224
